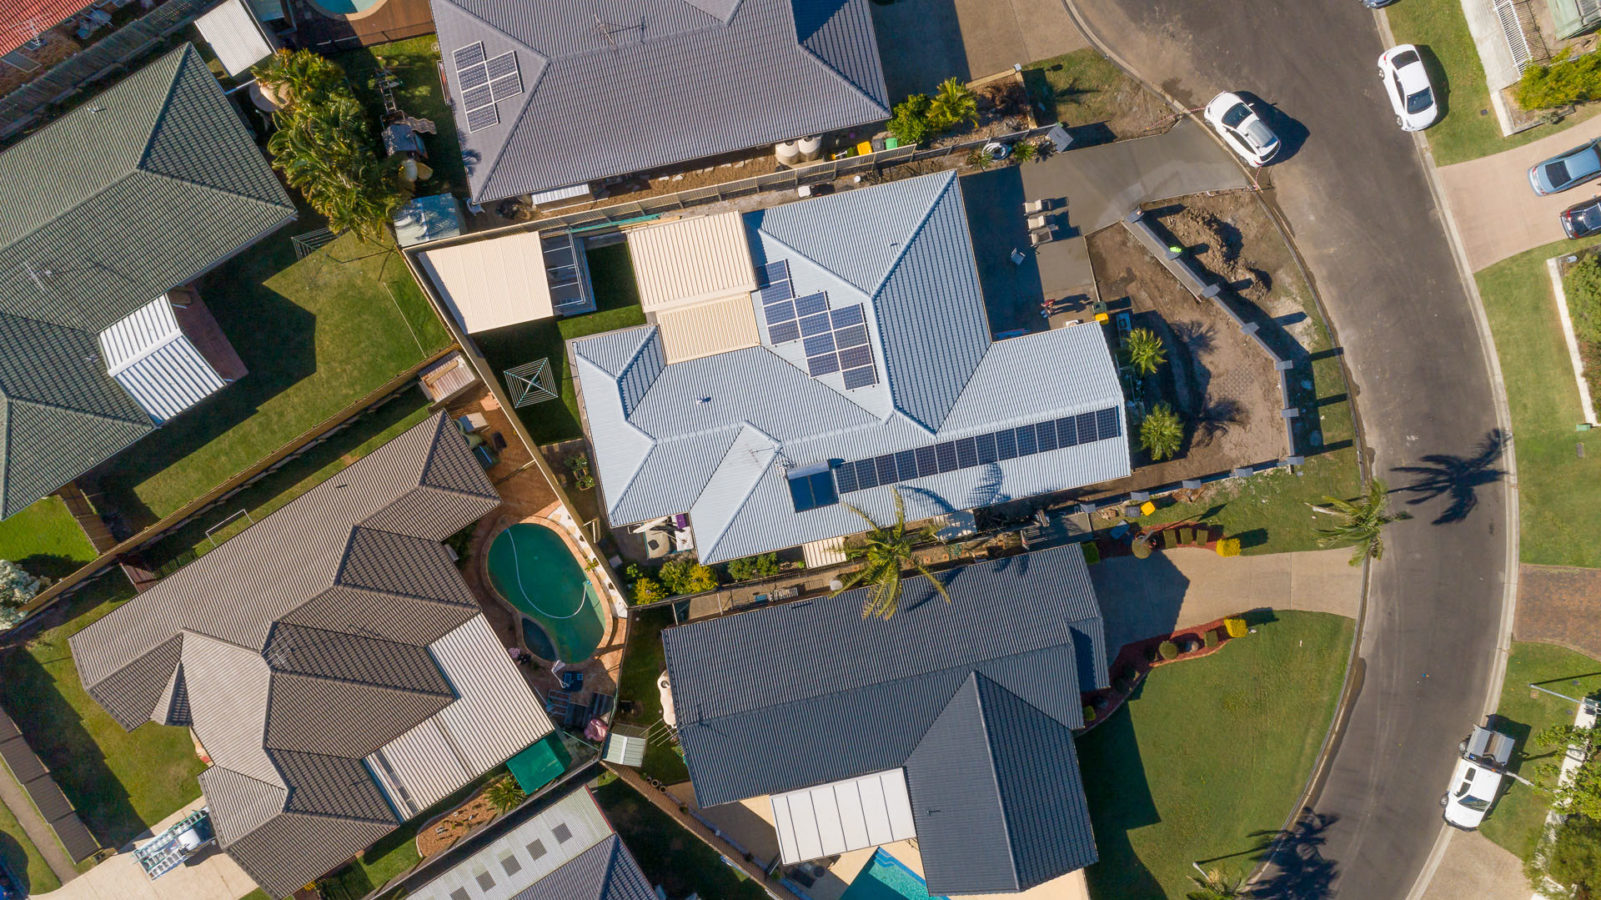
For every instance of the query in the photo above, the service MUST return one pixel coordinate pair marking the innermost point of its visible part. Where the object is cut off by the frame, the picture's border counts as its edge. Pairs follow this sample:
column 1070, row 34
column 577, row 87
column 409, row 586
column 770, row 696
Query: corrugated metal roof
column 492, row 283
column 841, row 816
column 691, row 260
column 706, row 329
column 228, row 688
column 495, row 714
column 234, row 36
column 421, row 766
column 699, row 84
column 978, row 712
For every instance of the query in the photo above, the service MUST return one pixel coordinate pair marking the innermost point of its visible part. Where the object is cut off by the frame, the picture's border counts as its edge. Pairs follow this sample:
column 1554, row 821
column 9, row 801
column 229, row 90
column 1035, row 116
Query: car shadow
column 1438, row 80
column 1291, row 133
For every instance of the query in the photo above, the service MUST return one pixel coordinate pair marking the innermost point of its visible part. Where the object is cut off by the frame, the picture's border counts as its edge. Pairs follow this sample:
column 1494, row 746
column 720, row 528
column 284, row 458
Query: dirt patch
column 1559, row 605
column 1094, row 100
column 448, row 829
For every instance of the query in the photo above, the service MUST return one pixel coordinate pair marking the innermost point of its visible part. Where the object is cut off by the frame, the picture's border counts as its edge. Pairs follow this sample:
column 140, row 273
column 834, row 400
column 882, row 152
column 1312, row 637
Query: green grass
column 643, row 663
column 670, row 856
column 366, row 434
column 616, row 306
column 1558, row 508
column 44, row 539
column 1519, row 815
column 1084, row 87
column 121, row 782
column 316, row 334
column 415, row 63
column 22, row 856
column 1209, row 756
column 1462, row 134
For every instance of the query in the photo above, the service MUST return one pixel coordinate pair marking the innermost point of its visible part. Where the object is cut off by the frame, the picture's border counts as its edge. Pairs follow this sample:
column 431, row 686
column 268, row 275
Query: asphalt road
column 1354, row 192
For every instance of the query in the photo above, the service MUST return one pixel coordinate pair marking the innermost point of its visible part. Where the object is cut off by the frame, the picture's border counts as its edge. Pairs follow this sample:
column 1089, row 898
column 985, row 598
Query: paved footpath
column 37, row 829
column 1496, row 212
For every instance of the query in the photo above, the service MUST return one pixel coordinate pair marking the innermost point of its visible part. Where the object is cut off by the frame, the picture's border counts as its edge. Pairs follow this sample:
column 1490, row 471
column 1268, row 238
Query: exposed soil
column 444, row 832
column 1559, row 605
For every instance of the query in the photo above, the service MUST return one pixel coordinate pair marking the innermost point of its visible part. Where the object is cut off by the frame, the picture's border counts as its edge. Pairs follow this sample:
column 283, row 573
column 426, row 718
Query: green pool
column 532, row 568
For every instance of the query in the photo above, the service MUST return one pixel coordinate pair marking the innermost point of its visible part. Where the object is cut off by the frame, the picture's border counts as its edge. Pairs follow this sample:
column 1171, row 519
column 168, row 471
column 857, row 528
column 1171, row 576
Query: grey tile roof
column 712, row 436
column 303, row 645
column 139, row 190
column 606, row 871
column 977, row 708
column 698, row 78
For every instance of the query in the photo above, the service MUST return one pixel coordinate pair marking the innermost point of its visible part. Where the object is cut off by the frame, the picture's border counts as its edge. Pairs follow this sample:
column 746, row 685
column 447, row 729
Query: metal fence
column 116, row 51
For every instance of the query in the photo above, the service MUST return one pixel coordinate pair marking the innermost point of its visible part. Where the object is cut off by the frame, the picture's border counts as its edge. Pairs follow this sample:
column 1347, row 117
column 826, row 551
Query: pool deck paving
column 211, row 876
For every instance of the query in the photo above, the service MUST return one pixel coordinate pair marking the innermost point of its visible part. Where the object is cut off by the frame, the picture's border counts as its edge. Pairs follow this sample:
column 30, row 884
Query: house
column 22, row 21
column 107, row 215
column 950, row 724
column 552, row 96
column 827, row 352
column 566, row 851
column 330, row 660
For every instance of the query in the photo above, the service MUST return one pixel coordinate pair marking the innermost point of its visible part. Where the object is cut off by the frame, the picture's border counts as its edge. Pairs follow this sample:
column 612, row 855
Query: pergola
column 531, row 383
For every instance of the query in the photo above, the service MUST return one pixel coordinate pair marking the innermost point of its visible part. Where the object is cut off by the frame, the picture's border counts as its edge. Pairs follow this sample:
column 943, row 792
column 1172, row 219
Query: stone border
column 1587, row 405
column 614, row 621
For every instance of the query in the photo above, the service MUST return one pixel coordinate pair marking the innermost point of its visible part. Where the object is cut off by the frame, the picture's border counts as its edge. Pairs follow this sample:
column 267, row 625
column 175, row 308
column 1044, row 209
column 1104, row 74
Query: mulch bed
column 443, row 833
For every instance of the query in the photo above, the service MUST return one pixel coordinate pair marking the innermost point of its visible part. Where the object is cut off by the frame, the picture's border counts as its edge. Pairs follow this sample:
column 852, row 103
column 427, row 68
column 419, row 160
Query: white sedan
column 1241, row 128
column 1406, row 81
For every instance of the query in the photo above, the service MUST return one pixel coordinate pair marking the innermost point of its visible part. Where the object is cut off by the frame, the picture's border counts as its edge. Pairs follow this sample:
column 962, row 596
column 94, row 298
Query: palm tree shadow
column 1297, row 869
column 1456, row 477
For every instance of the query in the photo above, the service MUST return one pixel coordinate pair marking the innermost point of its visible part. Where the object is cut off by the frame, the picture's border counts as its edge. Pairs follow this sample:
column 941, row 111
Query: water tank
column 189, row 840
column 787, row 153
column 810, row 147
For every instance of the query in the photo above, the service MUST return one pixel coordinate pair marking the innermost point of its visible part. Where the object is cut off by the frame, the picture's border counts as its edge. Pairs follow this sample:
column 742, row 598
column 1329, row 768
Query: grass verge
column 22, row 856
column 1558, row 512
column 121, row 781
column 44, row 539
column 1209, row 756
column 643, row 663
column 617, row 306
column 415, row 63
column 1469, row 128
column 1085, row 88
column 670, row 856
column 317, row 334
column 1518, row 817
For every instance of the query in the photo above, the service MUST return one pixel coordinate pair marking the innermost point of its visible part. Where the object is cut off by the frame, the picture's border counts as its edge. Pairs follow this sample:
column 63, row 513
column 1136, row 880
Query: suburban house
column 827, row 352
column 330, row 661
column 106, row 217
column 22, row 21
column 566, row 851
column 550, row 97
column 942, row 736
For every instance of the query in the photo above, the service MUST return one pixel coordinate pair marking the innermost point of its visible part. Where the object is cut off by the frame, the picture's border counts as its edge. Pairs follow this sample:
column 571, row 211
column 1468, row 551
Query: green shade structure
column 540, row 764
column 531, row 383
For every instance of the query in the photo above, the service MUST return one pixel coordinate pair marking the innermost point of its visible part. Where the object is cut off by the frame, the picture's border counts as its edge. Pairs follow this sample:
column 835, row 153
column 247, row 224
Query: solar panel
column 886, row 468
column 1108, row 423
column 1086, row 427
column 966, row 453
column 1045, row 436
column 1006, row 444
column 851, row 336
column 811, row 325
column 927, row 461
column 866, row 475
column 775, row 292
column 906, row 464
column 819, row 344
column 781, row 311
column 860, row 378
column 811, row 304
column 826, row 364
column 472, row 77
column 478, row 96
column 483, row 117
column 854, row 357
column 1066, row 433
column 986, row 449
column 784, row 332
column 502, row 65
column 470, row 55
column 946, row 453
column 850, row 315
column 510, row 86
column 1026, row 445
column 845, row 477
column 774, row 272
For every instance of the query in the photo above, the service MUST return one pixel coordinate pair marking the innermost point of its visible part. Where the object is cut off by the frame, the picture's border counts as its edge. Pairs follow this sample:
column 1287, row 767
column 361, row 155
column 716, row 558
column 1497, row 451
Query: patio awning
column 692, row 260
column 155, row 362
column 540, row 764
column 235, row 36
column 841, row 816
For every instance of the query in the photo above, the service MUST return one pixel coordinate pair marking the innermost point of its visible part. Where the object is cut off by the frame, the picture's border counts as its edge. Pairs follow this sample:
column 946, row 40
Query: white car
column 1406, row 81
column 1241, row 128
column 1477, row 778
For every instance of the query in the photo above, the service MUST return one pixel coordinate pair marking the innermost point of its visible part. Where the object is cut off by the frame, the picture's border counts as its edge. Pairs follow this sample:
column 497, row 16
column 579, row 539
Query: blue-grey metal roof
column 903, row 251
column 630, row 85
column 977, row 710
column 606, row 871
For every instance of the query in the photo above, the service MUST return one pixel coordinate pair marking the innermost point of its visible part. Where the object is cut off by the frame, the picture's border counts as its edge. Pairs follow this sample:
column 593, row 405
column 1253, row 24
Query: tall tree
column 886, row 551
column 1359, row 524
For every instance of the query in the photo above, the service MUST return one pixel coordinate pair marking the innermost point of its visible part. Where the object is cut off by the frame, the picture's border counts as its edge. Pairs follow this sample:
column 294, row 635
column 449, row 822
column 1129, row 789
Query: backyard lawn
column 120, row 781
column 415, row 63
column 317, row 334
column 670, row 856
column 1559, row 506
column 643, row 663
column 22, row 856
column 1517, row 818
column 1462, row 133
column 1209, row 756
column 45, row 540
column 611, row 271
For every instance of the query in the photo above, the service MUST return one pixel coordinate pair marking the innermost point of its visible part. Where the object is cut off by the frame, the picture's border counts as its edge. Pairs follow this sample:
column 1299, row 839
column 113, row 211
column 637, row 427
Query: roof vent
column 704, row 400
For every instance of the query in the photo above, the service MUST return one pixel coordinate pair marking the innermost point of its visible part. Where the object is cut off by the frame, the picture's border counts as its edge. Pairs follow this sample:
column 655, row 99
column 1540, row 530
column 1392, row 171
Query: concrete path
column 1477, row 867
column 1560, row 605
column 213, row 876
column 927, row 41
column 1103, row 184
column 1142, row 598
column 1500, row 70
column 37, row 829
column 1495, row 210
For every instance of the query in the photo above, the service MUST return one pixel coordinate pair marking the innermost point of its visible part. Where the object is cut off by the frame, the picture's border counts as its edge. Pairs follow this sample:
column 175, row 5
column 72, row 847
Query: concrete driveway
column 1475, row 866
column 924, row 42
column 212, row 876
column 1496, row 212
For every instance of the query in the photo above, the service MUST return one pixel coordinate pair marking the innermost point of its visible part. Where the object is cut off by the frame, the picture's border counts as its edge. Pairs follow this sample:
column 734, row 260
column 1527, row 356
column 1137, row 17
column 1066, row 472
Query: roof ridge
column 917, row 231
column 384, row 593
column 829, row 68
column 71, row 409
column 166, row 105
column 215, row 189
column 313, row 676
column 994, row 775
column 367, row 637
column 22, row 235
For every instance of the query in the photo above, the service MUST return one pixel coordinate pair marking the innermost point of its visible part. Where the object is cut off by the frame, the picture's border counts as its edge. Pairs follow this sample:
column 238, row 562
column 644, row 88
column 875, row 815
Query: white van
column 1477, row 778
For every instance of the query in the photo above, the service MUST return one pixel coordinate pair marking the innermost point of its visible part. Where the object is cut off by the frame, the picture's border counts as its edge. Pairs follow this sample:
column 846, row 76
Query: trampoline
column 532, row 569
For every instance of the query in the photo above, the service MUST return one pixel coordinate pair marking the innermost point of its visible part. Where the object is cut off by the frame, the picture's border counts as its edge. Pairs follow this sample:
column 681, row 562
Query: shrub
column 978, row 159
column 1168, row 649
column 1089, row 714
column 1235, row 626
column 1228, row 547
column 17, row 587
column 649, row 590
column 505, row 793
column 686, row 576
column 910, row 123
column 1023, row 151
column 1575, row 859
column 1161, row 432
column 1144, row 350
column 1566, row 80
column 750, row 568
column 1210, row 637
column 1092, row 553
column 1582, row 285
column 955, row 103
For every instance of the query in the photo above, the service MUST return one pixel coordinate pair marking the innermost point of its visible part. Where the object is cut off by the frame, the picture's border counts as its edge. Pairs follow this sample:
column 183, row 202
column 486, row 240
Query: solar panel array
column 835, row 340
column 484, row 82
column 979, row 450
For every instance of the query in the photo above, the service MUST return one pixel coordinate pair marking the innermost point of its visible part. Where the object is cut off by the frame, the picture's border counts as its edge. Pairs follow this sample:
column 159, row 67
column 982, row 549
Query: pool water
column 531, row 567
column 887, row 878
column 346, row 7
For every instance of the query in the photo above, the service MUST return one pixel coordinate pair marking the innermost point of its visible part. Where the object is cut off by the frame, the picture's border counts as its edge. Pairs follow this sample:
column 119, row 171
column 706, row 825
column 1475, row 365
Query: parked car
column 1242, row 128
column 1407, row 82
column 1375, row 4
column 1582, row 219
column 1477, row 778
column 1566, row 170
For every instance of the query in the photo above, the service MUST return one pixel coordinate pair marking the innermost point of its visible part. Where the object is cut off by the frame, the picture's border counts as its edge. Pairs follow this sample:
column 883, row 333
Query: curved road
column 1355, row 193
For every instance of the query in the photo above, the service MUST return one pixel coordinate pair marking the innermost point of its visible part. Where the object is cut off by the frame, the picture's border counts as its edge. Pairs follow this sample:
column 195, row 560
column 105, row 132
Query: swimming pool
column 344, row 7
column 531, row 567
column 887, row 878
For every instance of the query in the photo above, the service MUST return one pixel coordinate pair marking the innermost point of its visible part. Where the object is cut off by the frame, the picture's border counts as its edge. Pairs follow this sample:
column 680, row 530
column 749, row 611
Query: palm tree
column 887, row 551
column 1144, row 350
column 1215, row 884
column 505, row 793
column 954, row 103
column 1161, row 432
column 1360, row 524
column 289, row 77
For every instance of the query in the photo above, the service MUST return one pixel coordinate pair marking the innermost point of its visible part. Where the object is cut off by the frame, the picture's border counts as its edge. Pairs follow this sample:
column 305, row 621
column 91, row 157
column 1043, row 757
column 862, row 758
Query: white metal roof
column 492, row 283
column 234, row 36
column 692, row 260
column 535, row 848
column 706, row 329
column 149, row 355
column 841, row 816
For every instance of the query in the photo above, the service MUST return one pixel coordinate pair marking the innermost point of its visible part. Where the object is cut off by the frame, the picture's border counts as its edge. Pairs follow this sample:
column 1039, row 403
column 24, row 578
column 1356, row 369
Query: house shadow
column 1140, row 598
column 1013, row 288
column 1120, row 801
